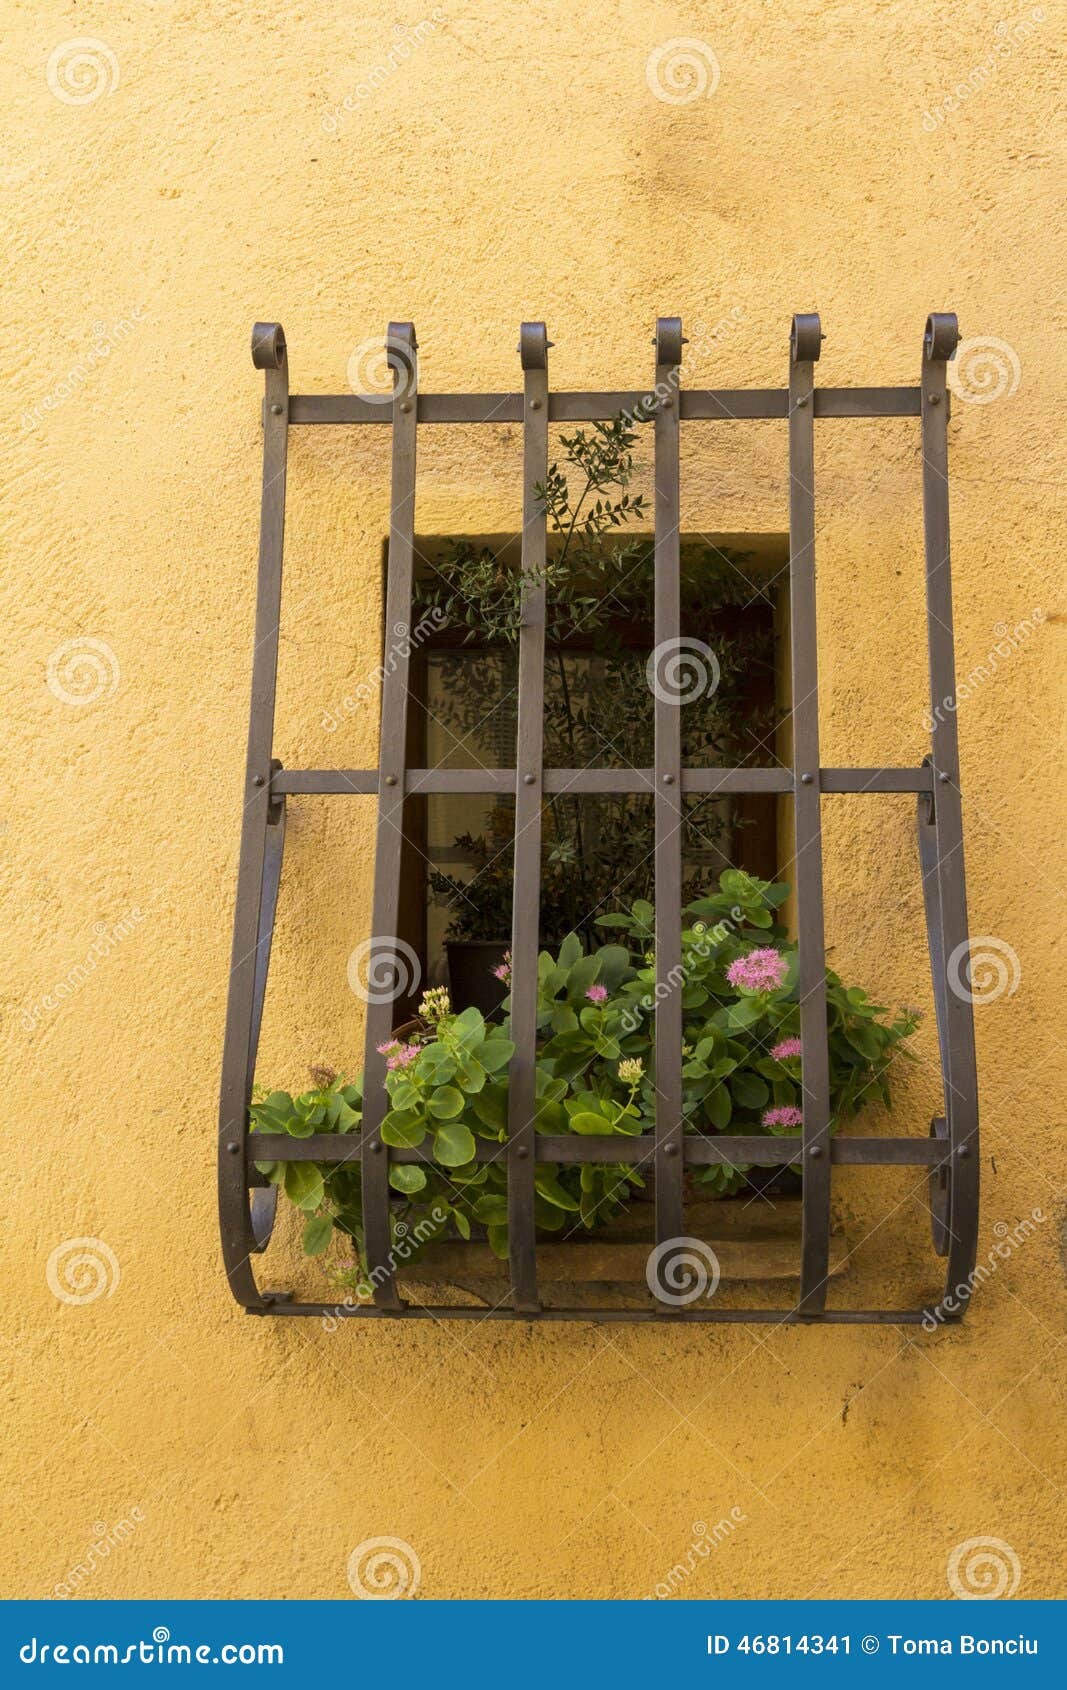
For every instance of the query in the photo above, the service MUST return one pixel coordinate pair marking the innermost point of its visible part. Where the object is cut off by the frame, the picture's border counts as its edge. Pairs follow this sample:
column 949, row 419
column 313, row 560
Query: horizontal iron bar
column 743, row 404
column 676, row 1317
column 572, row 1148
column 365, row 781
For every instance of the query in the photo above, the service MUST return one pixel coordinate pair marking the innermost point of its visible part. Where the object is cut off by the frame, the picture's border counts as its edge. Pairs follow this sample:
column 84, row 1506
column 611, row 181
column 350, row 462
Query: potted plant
column 595, row 1073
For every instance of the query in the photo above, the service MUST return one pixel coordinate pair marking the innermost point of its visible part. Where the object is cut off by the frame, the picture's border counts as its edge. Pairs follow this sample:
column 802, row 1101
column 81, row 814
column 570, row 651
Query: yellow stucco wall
column 516, row 162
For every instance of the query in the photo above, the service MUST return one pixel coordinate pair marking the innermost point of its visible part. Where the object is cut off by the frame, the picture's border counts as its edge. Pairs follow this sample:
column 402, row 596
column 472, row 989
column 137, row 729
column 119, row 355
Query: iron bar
column 698, row 1151
column 945, row 884
column 260, row 853
column 805, row 347
column 742, row 404
column 363, row 781
column 377, row 1234
column 529, row 757
column 669, row 810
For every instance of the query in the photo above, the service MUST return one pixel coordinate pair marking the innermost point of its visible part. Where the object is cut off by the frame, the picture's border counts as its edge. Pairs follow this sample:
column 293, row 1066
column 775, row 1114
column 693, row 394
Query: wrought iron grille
column 950, row 1153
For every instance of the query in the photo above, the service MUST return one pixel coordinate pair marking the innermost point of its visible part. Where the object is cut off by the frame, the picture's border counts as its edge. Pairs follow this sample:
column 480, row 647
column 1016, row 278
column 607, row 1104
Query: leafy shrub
column 595, row 1075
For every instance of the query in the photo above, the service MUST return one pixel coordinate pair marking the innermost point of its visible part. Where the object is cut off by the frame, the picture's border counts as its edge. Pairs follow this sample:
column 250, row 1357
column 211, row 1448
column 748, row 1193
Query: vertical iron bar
column 387, row 969
column 958, row 1061
column 242, row 1016
column 529, row 757
column 805, row 347
column 669, row 1161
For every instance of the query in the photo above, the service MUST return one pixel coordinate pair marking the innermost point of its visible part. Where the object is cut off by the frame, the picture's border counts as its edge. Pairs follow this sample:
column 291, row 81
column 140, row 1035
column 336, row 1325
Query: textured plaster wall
column 516, row 162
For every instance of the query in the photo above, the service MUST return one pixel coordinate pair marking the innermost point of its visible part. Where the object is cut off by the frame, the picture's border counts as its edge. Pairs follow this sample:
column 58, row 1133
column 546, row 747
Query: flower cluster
column 785, row 1049
column 784, row 1118
column 760, row 971
column 435, row 1005
column 398, row 1055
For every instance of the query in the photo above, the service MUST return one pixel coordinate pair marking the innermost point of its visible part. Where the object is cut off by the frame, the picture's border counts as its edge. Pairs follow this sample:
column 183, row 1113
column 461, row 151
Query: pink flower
column 597, row 994
column 783, row 1118
column 402, row 1056
column 788, row 1047
column 759, row 971
column 503, row 970
column 383, row 1050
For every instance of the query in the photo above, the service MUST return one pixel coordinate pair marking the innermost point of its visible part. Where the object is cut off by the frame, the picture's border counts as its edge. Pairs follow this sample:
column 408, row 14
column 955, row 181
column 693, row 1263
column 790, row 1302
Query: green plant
column 595, row 1074
column 598, row 704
